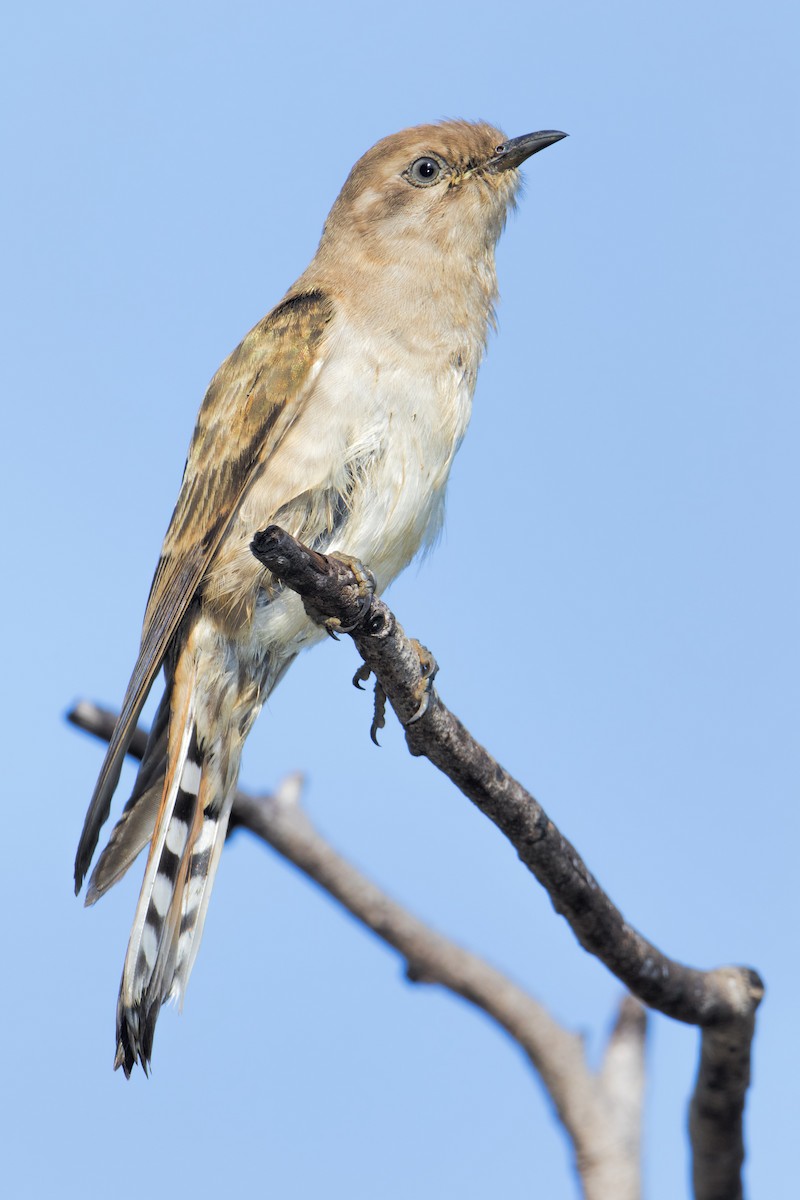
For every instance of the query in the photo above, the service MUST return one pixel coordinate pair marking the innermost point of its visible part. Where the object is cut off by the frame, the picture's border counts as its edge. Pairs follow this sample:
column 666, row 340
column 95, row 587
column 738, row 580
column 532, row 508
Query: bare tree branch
column 721, row 1001
column 717, row 1108
column 622, row 1073
column 601, row 1113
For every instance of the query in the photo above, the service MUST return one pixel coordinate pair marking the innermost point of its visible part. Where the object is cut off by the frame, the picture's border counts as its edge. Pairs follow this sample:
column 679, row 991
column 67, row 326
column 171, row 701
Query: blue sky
column 628, row 485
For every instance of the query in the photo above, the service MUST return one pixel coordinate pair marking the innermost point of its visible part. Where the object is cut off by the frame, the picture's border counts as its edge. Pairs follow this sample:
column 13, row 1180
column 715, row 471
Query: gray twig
column 600, row 1112
column 722, row 1002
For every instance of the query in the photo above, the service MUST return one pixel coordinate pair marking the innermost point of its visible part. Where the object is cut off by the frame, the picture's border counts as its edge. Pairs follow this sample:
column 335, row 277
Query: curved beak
column 514, row 152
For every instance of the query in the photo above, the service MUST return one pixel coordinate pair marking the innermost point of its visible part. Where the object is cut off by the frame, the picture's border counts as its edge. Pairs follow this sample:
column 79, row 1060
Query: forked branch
column 722, row 1002
column 600, row 1112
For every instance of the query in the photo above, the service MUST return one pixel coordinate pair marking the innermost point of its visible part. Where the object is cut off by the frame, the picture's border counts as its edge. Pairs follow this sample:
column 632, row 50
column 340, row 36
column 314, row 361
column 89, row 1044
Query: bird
column 337, row 418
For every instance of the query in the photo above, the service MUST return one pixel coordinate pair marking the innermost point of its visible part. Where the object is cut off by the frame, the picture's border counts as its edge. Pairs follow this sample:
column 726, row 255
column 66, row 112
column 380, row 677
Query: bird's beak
column 512, row 153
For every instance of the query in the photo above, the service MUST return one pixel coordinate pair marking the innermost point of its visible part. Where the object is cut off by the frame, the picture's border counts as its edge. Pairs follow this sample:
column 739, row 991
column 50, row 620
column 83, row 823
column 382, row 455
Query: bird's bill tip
column 515, row 151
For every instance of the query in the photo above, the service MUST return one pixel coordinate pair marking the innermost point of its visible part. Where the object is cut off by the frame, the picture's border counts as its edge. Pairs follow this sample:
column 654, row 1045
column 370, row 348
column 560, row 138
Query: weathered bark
column 599, row 1112
column 722, row 1001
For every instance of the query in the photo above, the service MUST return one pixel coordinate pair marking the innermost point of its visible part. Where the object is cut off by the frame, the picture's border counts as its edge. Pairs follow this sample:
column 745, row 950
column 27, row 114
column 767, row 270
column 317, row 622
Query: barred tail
column 187, row 842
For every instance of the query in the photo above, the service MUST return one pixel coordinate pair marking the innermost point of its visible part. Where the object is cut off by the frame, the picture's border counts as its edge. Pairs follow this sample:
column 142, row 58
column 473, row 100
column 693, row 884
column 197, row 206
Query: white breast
column 406, row 414
column 381, row 424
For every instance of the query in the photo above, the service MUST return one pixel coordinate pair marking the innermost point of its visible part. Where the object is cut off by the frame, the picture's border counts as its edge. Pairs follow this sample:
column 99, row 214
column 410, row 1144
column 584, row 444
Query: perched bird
column 336, row 418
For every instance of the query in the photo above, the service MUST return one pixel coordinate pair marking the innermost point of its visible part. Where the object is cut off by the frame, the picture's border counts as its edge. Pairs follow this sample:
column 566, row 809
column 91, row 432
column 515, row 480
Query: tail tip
column 83, row 860
column 135, row 1031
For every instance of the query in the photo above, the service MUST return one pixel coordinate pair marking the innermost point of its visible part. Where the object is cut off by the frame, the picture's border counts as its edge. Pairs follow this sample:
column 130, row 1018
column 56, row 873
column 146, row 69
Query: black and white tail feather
column 181, row 803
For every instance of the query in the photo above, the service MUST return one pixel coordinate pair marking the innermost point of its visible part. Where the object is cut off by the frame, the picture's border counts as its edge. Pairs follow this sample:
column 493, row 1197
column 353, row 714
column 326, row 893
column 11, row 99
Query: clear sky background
column 614, row 603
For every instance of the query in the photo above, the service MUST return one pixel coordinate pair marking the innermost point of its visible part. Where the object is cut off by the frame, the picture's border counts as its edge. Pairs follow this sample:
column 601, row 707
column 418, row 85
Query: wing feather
column 252, row 401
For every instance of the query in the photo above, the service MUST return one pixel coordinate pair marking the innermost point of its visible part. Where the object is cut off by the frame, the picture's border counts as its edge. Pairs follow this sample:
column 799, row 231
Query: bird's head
column 450, row 184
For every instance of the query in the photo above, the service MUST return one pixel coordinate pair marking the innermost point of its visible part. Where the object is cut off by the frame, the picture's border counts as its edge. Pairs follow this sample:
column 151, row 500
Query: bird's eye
column 424, row 171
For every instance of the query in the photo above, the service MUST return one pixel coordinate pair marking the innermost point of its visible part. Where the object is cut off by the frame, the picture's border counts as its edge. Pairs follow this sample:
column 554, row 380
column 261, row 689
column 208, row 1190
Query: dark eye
column 424, row 171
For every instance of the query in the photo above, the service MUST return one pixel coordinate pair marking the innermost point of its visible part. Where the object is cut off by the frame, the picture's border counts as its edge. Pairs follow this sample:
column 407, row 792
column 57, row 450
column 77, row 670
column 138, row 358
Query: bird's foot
column 366, row 584
column 423, row 691
column 379, row 713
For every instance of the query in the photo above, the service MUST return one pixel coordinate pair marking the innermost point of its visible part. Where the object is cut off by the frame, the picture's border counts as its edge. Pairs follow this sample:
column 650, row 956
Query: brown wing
column 251, row 403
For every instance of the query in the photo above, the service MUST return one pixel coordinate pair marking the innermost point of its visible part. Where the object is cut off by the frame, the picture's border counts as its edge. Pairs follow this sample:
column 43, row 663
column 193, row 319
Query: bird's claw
column 367, row 586
column 379, row 713
column 423, row 691
column 428, row 668
column 361, row 676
